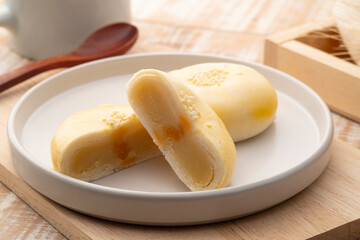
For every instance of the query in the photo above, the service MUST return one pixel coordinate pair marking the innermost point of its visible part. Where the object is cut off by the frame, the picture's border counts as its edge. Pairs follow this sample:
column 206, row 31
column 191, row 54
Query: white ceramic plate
column 271, row 168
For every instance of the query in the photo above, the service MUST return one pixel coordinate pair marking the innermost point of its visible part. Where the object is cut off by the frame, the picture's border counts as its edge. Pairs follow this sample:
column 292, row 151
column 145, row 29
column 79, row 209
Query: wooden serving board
column 328, row 209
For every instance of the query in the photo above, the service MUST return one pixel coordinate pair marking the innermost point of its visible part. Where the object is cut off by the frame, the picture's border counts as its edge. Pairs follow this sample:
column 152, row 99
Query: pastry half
column 97, row 142
column 188, row 132
column 243, row 98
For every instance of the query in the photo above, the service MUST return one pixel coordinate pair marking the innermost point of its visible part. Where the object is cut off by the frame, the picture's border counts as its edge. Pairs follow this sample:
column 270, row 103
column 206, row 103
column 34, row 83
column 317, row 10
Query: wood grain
column 347, row 129
column 15, row 215
column 251, row 17
column 335, row 80
column 163, row 38
column 233, row 28
column 319, row 208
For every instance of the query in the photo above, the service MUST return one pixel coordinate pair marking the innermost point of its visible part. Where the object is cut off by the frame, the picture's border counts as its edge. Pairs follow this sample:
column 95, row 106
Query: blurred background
column 234, row 28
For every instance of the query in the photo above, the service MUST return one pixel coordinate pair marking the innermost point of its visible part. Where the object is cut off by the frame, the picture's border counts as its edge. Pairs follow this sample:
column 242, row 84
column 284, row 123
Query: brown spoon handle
column 21, row 74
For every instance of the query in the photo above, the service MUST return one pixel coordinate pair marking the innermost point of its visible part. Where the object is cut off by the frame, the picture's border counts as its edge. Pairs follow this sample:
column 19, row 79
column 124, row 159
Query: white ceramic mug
column 47, row 28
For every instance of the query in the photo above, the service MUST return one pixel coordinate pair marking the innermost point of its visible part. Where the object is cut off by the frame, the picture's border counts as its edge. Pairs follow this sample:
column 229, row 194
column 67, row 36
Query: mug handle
column 7, row 18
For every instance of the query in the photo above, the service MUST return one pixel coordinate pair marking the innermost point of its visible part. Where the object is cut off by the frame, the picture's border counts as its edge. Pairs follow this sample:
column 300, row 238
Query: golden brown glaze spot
column 184, row 123
column 262, row 113
column 157, row 138
column 176, row 133
column 119, row 133
column 121, row 149
column 265, row 111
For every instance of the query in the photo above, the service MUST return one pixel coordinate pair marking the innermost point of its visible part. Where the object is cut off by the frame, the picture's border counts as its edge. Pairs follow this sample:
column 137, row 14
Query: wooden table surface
column 232, row 28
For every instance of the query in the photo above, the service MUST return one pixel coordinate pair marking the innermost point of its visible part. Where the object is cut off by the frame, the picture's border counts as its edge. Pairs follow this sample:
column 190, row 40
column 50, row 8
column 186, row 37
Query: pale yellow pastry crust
column 243, row 98
column 97, row 142
column 191, row 136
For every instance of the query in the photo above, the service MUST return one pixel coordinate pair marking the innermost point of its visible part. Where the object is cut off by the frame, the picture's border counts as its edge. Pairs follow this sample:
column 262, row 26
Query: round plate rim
column 322, row 148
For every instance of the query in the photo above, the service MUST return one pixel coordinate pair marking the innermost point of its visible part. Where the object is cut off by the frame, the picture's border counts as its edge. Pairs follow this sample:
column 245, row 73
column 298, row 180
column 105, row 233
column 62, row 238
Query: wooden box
column 308, row 52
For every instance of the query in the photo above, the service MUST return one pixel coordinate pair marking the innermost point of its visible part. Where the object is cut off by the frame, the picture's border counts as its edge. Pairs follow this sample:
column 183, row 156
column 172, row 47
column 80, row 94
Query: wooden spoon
column 111, row 40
